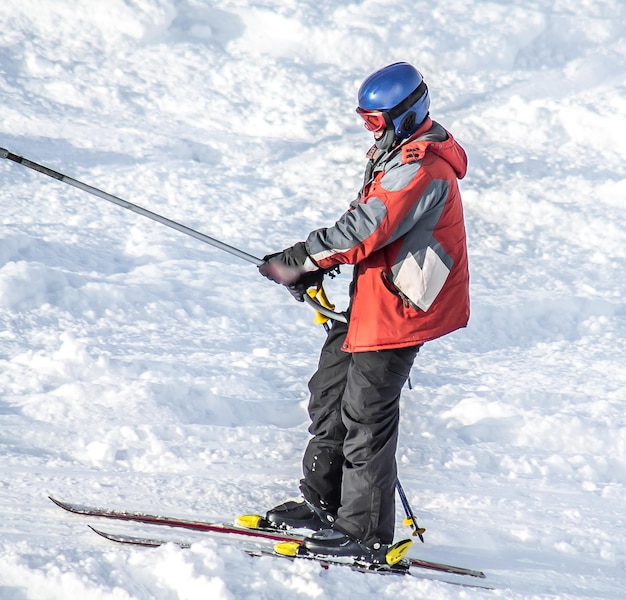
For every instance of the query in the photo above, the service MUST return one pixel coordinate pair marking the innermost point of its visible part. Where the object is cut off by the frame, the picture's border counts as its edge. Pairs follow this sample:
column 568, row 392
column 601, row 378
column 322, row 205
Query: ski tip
column 250, row 521
column 58, row 502
column 287, row 548
column 397, row 551
column 99, row 532
column 68, row 506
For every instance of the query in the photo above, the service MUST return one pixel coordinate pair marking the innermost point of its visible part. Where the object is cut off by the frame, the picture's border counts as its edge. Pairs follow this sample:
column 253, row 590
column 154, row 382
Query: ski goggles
column 374, row 119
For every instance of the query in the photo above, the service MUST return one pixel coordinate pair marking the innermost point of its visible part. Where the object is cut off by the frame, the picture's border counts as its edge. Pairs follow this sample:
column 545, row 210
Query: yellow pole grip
column 320, row 295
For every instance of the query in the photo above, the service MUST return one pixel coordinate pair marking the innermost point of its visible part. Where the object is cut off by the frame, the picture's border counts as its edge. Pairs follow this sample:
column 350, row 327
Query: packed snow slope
column 142, row 369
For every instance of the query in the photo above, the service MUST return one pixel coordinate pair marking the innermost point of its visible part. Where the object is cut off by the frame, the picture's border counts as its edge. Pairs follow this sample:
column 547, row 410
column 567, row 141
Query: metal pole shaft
column 4, row 153
column 128, row 205
column 417, row 530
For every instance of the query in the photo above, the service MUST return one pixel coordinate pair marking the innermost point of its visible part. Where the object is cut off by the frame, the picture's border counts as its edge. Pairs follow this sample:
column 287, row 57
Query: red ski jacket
column 405, row 234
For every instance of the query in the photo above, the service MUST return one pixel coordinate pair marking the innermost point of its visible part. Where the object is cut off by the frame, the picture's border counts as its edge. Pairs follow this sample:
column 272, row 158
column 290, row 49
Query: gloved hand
column 288, row 266
column 310, row 279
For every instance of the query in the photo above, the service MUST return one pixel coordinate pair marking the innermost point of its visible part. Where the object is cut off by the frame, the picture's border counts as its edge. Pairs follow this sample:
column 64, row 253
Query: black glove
column 285, row 267
column 310, row 279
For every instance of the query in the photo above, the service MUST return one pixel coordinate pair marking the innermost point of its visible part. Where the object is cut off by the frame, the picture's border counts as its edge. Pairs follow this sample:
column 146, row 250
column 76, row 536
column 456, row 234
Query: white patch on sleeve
column 318, row 256
column 421, row 285
column 309, row 265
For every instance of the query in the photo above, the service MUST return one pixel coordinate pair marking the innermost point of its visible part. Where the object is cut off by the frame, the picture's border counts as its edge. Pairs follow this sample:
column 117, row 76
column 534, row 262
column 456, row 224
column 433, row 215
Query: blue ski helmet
column 400, row 93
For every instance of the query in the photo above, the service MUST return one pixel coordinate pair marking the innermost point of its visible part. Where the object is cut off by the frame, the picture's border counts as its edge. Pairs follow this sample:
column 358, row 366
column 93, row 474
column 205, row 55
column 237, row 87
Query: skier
column 405, row 235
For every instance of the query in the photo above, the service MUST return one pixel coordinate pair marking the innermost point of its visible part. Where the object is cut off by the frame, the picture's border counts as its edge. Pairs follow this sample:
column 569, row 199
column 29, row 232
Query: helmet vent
column 408, row 122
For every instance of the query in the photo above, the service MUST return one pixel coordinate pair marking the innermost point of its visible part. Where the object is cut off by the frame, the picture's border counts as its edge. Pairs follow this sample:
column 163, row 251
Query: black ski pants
column 350, row 462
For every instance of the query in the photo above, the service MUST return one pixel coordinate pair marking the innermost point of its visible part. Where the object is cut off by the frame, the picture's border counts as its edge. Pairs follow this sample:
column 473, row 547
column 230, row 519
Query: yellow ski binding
column 397, row 552
column 287, row 548
column 249, row 521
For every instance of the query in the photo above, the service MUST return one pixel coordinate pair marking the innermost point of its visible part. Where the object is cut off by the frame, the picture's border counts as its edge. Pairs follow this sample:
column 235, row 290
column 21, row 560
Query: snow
column 142, row 369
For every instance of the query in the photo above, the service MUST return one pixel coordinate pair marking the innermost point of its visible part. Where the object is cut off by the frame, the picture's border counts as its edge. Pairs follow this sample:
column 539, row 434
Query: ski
column 325, row 563
column 207, row 526
column 133, row 540
column 219, row 527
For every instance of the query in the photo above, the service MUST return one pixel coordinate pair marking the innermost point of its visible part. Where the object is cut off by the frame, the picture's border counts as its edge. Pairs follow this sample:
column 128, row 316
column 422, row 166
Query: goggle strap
column 409, row 101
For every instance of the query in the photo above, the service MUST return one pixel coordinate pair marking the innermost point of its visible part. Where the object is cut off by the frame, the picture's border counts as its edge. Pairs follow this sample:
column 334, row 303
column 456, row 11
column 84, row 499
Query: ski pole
column 410, row 516
column 159, row 219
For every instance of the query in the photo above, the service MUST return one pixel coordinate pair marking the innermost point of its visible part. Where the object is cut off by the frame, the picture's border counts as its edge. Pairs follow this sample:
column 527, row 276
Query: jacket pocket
column 391, row 287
